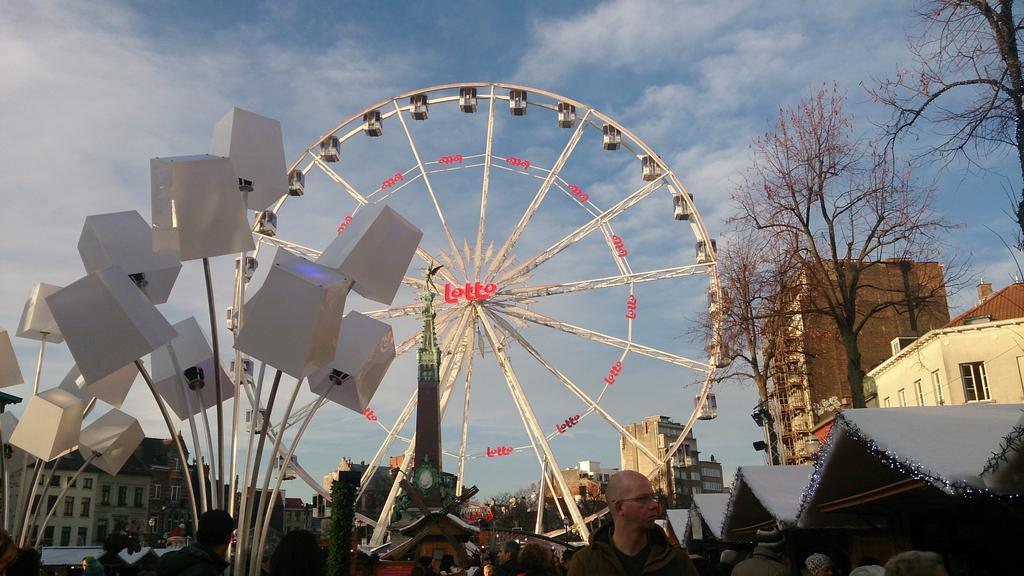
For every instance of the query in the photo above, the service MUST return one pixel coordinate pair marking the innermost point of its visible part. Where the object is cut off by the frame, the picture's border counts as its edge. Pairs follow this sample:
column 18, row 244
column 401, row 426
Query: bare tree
column 966, row 83
column 833, row 208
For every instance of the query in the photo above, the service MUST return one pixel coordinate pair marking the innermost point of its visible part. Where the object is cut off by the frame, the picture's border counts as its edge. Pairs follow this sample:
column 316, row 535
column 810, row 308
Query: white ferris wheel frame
column 459, row 326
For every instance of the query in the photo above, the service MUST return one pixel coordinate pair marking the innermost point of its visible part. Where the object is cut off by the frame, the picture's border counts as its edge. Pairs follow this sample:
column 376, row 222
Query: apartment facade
column 680, row 478
column 977, row 358
column 809, row 383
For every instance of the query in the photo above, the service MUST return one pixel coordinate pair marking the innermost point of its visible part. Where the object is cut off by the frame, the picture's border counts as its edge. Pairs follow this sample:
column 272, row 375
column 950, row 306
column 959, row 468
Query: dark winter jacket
column 599, row 558
column 195, row 560
column 764, row 562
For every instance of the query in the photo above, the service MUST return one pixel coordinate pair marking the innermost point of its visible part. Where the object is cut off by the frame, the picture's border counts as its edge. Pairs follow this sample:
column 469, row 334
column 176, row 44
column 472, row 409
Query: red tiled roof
column 293, row 503
column 1005, row 304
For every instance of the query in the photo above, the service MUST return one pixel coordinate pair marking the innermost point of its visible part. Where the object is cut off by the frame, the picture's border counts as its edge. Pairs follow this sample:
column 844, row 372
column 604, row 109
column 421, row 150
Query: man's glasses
column 645, row 499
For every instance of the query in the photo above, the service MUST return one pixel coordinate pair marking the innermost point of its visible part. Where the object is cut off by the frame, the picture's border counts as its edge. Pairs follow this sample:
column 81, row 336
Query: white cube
column 10, row 372
column 50, row 425
column 197, row 209
column 256, row 149
column 114, row 436
column 36, row 318
column 112, row 389
column 366, row 348
column 16, row 457
column 374, row 251
column 125, row 239
column 292, row 322
column 107, row 322
column 191, row 350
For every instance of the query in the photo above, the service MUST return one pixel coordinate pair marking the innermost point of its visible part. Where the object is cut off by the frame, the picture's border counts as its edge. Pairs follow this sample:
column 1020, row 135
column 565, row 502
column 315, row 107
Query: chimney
column 984, row 290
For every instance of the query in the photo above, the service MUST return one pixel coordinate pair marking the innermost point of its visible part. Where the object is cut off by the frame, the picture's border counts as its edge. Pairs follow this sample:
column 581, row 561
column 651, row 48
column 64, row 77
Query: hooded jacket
column 195, row 560
column 599, row 558
column 764, row 562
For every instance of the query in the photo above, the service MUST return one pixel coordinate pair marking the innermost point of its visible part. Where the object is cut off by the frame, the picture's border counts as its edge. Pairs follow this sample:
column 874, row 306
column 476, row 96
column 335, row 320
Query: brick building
column 810, row 383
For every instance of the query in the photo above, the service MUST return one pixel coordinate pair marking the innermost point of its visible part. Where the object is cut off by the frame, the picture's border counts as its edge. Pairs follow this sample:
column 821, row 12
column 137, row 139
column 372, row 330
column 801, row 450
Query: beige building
column 685, row 474
column 977, row 357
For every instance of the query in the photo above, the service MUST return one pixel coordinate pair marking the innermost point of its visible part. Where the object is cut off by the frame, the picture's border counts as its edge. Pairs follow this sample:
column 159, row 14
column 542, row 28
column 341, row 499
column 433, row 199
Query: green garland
column 343, row 512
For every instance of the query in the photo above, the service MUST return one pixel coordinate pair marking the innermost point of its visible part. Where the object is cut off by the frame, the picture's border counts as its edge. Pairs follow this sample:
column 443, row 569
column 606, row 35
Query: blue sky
column 91, row 91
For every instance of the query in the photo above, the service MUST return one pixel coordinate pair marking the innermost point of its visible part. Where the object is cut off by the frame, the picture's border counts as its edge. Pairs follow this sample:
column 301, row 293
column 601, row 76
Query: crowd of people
column 631, row 545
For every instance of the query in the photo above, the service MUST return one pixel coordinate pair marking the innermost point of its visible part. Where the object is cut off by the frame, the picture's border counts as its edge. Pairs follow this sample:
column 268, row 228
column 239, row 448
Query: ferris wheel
column 573, row 258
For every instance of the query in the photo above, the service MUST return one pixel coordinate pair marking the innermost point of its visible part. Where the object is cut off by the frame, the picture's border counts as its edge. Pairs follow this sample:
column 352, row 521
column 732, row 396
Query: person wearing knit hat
column 819, row 565
column 767, row 557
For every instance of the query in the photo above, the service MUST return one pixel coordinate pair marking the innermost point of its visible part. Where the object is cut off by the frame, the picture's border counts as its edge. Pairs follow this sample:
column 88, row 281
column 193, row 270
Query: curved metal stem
column 216, row 382
column 174, row 436
column 254, row 477
column 200, row 465
column 23, row 494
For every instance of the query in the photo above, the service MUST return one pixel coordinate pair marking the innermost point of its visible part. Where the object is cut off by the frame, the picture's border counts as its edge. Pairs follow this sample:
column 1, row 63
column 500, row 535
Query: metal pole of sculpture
column 24, row 492
column 200, row 466
column 246, row 511
column 216, row 382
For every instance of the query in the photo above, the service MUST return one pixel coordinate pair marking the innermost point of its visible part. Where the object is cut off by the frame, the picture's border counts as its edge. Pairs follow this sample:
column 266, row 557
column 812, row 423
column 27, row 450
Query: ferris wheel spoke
column 446, row 369
column 395, row 311
column 509, row 329
column 297, row 249
column 499, row 259
column 430, row 189
column 484, row 188
column 470, row 342
column 528, row 292
column 580, row 233
column 431, row 260
column 340, row 181
column 543, row 320
column 449, row 370
column 533, row 426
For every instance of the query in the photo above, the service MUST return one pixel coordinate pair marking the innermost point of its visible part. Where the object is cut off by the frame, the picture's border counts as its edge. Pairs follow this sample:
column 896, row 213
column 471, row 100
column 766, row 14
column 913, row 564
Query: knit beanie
column 817, row 562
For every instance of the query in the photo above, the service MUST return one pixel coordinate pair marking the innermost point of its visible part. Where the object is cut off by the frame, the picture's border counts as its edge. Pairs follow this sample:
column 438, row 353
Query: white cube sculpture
column 36, row 318
column 125, row 239
column 374, row 251
column 190, row 349
column 366, row 348
column 107, row 322
column 10, row 372
column 293, row 321
column 114, row 436
column 256, row 149
column 197, row 209
column 16, row 457
column 50, row 425
column 112, row 389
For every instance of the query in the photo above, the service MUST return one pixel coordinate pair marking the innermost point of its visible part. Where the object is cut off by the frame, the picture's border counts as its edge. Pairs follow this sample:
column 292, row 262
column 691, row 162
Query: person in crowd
column 869, row 566
column 298, row 554
column 726, row 560
column 819, row 565
column 92, row 567
column 566, row 560
column 508, row 555
column 915, row 563
column 422, row 567
column 27, row 563
column 632, row 544
column 767, row 557
column 205, row 557
column 8, row 550
column 536, row 560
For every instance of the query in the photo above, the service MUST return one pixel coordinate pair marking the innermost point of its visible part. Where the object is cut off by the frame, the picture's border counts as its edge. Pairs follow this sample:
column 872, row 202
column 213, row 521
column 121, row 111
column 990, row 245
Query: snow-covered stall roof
column 131, row 559
column 678, row 519
column 765, row 496
column 68, row 555
column 947, row 447
column 712, row 509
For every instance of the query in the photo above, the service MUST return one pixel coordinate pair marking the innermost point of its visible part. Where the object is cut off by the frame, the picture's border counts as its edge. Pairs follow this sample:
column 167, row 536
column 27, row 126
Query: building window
column 175, row 492
column 975, row 381
column 711, row 472
column 51, row 503
column 903, row 396
column 65, row 536
column 122, row 495
column 156, row 491
column 101, row 531
column 35, row 503
column 86, row 504
column 888, row 403
column 140, row 493
column 83, row 534
column 87, row 483
column 55, row 480
column 69, row 505
column 48, row 534
column 937, row 385
column 105, row 495
column 919, row 392
column 74, row 483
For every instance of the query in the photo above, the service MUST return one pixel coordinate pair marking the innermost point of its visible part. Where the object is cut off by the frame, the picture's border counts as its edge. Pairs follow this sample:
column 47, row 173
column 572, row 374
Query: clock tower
column 427, row 472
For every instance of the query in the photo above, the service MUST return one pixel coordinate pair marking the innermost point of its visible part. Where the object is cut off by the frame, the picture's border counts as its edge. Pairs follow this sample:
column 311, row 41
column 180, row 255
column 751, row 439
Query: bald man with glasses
column 632, row 544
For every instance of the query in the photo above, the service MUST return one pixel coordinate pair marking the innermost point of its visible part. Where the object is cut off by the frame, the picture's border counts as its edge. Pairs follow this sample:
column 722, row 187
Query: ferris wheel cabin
column 329, row 149
column 467, row 100
column 371, row 124
column 296, row 183
column 703, row 255
column 418, row 102
column 517, row 102
column 266, row 223
column 709, row 411
column 566, row 115
column 651, row 168
column 611, row 137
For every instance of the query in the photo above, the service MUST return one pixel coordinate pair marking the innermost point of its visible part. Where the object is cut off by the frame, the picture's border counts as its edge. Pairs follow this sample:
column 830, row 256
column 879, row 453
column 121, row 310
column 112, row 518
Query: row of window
column 973, row 376
column 65, row 535
column 55, row 481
